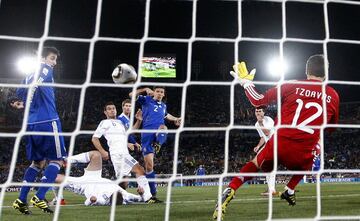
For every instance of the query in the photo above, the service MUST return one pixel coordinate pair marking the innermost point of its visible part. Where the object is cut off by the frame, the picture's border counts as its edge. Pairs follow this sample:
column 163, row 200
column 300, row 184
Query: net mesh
column 190, row 41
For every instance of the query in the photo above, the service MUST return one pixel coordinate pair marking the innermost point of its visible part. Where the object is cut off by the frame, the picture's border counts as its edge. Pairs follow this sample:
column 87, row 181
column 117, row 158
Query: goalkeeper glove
column 242, row 74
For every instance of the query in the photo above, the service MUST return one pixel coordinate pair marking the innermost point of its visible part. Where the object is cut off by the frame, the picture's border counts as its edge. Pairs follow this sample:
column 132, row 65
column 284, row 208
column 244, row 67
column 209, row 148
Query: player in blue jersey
column 43, row 117
column 124, row 117
column 154, row 115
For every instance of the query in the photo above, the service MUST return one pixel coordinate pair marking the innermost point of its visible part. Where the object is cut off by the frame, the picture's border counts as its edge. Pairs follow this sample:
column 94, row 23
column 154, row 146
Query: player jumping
column 154, row 113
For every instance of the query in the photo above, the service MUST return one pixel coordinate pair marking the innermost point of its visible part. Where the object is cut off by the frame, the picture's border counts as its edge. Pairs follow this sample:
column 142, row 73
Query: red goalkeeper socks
column 236, row 182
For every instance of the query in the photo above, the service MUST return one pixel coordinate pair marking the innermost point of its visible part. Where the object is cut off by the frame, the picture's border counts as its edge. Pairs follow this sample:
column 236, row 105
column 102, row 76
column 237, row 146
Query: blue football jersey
column 42, row 104
column 154, row 112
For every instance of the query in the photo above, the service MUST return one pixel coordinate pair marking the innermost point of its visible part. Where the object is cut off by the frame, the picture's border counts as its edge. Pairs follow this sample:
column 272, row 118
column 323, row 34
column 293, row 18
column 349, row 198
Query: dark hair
column 126, row 101
column 47, row 50
column 261, row 107
column 107, row 104
column 119, row 198
column 315, row 66
column 155, row 87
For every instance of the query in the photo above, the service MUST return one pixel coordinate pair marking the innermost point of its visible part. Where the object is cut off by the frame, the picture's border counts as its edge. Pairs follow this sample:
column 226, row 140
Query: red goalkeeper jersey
column 301, row 105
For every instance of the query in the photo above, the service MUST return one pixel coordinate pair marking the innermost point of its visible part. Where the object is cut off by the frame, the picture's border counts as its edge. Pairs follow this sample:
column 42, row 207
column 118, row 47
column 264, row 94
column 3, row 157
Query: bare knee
column 138, row 170
column 95, row 155
column 162, row 126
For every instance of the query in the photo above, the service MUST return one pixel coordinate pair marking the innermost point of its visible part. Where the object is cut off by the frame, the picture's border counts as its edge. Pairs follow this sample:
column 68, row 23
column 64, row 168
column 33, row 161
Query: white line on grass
column 214, row 200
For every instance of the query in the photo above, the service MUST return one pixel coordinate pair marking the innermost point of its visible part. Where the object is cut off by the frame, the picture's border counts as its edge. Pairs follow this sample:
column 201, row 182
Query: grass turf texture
column 160, row 73
column 197, row 203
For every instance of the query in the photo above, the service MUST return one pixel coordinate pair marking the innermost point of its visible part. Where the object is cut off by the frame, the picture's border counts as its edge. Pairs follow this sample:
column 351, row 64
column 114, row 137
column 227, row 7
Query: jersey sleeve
column 101, row 129
column 142, row 99
column 257, row 99
column 46, row 74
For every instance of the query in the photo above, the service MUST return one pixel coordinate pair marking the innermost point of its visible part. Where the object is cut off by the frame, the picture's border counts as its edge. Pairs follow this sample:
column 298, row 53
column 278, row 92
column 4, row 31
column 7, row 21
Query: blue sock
column 29, row 177
column 161, row 138
column 50, row 174
column 152, row 183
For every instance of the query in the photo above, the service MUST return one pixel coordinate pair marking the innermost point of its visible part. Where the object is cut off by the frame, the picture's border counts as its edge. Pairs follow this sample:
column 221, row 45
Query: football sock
column 290, row 191
column 270, row 179
column 236, row 182
column 144, row 184
column 152, row 183
column 295, row 179
column 50, row 174
column 29, row 177
column 79, row 158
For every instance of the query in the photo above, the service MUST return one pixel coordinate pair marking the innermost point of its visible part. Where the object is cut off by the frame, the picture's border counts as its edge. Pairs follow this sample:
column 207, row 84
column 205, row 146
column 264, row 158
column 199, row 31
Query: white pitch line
column 214, row 200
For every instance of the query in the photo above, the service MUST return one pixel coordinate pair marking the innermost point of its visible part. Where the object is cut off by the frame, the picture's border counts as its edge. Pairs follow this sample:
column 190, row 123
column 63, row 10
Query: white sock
column 270, row 179
column 290, row 191
column 131, row 198
column 144, row 184
column 79, row 158
column 57, row 194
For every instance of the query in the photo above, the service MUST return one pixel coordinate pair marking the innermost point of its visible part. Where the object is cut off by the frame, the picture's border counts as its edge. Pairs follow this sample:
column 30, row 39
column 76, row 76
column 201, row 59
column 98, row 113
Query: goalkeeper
column 300, row 110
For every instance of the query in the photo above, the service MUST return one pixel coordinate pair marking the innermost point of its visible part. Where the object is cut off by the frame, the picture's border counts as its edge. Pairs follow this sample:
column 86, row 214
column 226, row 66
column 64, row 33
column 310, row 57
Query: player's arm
column 138, row 117
column 96, row 140
column 245, row 79
column 176, row 120
column 142, row 90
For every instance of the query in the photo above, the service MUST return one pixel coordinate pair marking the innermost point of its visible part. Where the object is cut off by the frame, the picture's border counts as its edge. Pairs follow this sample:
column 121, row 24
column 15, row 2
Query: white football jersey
column 268, row 123
column 115, row 133
column 102, row 191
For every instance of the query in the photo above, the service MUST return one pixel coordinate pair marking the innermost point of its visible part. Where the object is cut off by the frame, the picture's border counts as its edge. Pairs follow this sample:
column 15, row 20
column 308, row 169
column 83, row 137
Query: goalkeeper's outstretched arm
column 245, row 79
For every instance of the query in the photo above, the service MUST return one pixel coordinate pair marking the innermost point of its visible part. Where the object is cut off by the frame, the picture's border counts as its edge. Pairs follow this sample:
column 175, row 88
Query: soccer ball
column 124, row 74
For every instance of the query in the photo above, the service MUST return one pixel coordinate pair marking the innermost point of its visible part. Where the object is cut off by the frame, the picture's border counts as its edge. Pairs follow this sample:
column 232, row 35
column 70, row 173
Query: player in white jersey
column 97, row 190
column 115, row 133
column 265, row 127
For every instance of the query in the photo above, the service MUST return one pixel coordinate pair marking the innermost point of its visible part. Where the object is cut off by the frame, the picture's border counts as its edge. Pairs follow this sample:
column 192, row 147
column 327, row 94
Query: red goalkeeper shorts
column 293, row 154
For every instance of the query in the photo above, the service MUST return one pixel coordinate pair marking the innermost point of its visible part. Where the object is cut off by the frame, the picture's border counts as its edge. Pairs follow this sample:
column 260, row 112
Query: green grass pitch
column 197, row 203
column 160, row 73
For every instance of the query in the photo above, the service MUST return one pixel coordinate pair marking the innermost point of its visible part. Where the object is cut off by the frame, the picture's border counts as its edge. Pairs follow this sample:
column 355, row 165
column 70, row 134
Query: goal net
column 188, row 46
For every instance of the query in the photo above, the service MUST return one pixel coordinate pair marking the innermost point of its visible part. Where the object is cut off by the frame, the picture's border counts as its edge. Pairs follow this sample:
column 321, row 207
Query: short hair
column 315, row 66
column 108, row 104
column 47, row 50
column 261, row 107
column 126, row 101
column 119, row 198
column 156, row 87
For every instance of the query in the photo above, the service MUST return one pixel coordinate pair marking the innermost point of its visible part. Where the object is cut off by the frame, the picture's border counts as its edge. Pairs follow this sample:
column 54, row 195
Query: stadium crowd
column 196, row 148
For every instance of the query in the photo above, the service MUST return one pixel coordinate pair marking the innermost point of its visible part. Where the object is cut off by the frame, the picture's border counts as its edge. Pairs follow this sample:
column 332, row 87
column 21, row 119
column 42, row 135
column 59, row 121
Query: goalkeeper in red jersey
column 301, row 107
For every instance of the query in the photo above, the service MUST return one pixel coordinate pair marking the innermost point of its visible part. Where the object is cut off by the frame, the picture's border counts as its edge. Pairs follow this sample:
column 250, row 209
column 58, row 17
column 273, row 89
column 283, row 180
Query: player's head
column 315, row 66
column 159, row 93
column 119, row 198
column 110, row 110
column 49, row 55
column 260, row 113
column 126, row 106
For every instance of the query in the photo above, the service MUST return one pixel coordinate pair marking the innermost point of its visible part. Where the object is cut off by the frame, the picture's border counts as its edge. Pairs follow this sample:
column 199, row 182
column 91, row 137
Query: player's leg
column 142, row 181
column 263, row 159
column 95, row 161
column 294, row 158
column 148, row 153
column 29, row 177
column 270, row 180
column 31, row 173
column 160, row 138
column 53, row 148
